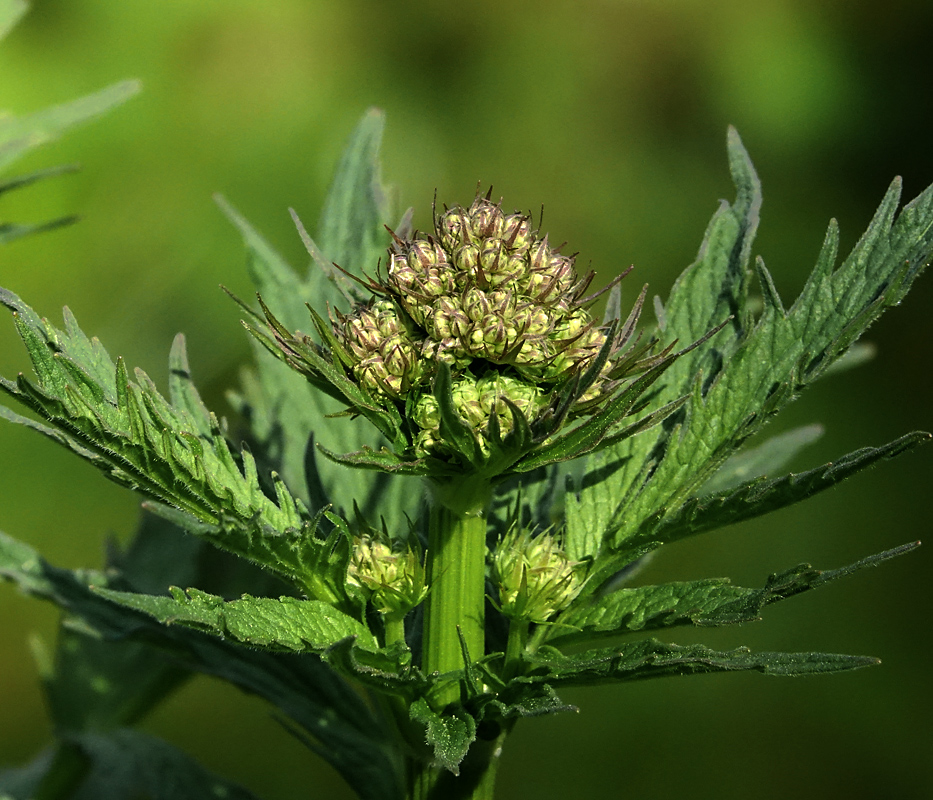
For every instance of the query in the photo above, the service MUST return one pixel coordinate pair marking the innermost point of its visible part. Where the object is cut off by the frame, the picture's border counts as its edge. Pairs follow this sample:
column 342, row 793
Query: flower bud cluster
column 534, row 577
column 386, row 357
column 487, row 296
column 476, row 402
column 391, row 577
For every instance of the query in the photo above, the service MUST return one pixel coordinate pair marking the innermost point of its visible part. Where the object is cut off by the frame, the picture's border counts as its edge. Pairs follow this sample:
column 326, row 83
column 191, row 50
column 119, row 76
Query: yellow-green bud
column 534, row 577
column 391, row 577
column 389, row 360
column 454, row 229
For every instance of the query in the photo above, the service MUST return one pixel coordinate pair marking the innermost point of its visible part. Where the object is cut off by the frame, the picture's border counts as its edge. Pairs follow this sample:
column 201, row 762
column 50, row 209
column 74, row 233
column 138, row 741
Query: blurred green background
column 611, row 114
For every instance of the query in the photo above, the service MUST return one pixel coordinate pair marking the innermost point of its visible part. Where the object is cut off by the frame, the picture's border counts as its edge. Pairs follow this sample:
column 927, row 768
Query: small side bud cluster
column 533, row 575
column 391, row 576
column 387, row 359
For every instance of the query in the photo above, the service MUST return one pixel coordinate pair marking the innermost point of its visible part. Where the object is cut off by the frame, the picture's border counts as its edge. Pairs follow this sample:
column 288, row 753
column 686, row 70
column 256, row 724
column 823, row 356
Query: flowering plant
column 441, row 507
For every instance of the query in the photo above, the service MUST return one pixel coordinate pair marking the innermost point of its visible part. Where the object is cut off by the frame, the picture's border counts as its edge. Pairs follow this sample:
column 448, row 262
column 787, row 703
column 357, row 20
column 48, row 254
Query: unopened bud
column 391, row 577
column 534, row 576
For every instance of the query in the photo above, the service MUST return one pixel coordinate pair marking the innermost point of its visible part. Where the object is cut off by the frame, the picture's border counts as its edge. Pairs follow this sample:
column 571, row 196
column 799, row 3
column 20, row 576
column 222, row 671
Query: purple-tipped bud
column 486, row 219
column 453, row 228
column 517, row 233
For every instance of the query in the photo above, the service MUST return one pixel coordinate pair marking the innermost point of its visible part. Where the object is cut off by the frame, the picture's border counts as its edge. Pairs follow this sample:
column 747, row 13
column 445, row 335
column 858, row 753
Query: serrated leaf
column 350, row 230
column 650, row 658
column 281, row 401
column 705, row 602
column 300, row 685
column 302, row 556
column 173, row 452
column 283, row 623
column 450, row 733
column 762, row 496
column 753, row 367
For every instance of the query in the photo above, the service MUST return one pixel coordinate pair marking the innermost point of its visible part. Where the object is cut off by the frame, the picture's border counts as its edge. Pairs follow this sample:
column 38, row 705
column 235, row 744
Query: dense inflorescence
column 493, row 300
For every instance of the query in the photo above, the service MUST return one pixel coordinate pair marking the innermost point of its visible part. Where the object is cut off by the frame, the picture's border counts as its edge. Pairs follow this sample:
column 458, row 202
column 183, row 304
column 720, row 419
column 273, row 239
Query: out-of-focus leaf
column 21, row 134
column 10, row 13
column 122, row 764
column 762, row 460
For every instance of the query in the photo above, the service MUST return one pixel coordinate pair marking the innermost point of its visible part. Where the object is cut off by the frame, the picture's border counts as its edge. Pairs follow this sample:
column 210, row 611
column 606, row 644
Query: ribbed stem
column 454, row 617
column 456, row 569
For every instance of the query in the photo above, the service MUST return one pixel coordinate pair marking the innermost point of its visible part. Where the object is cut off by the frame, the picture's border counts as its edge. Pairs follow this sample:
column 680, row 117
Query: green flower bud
column 447, row 350
column 424, row 255
column 401, row 273
column 419, row 276
column 493, row 332
column 467, row 259
column 391, row 577
column 427, row 414
column 500, row 266
column 494, row 386
column 468, row 402
column 534, row 577
column 483, row 295
column 448, row 319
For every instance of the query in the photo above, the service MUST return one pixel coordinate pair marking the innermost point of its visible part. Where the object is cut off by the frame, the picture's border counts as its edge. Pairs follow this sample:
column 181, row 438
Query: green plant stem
column 518, row 638
column 456, row 569
column 454, row 618
column 395, row 628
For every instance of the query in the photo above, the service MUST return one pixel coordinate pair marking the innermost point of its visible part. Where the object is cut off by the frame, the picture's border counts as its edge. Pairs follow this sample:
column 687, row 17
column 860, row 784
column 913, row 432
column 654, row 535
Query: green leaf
column 762, row 496
column 283, row 623
column 762, row 460
column 278, row 400
column 450, row 733
column 18, row 135
column 123, row 763
column 10, row 13
column 752, row 368
column 350, row 230
column 342, row 728
column 650, row 658
column 303, row 556
column 173, row 452
column 714, row 288
column 704, row 602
